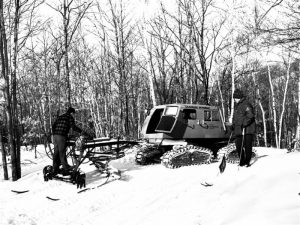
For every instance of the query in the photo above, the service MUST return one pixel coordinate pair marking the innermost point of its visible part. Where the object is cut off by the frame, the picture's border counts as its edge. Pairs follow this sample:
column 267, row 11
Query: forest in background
column 114, row 60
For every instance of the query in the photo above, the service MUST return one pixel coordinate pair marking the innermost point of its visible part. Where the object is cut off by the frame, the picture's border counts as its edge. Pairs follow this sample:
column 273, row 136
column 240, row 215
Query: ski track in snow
column 265, row 193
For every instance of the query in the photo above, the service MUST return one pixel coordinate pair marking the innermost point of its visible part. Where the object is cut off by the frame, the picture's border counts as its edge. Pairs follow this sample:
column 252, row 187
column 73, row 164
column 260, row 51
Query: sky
column 237, row 11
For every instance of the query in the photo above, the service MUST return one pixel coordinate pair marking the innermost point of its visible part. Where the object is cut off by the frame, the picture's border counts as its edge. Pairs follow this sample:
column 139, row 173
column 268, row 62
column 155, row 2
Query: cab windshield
column 171, row 111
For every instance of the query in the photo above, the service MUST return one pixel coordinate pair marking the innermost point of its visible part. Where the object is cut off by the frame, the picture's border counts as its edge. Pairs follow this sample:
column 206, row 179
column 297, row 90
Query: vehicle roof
column 191, row 106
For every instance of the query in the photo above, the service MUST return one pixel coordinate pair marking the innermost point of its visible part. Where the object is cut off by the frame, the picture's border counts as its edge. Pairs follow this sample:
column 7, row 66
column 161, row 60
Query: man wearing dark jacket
column 60, row 130
column 243, row 125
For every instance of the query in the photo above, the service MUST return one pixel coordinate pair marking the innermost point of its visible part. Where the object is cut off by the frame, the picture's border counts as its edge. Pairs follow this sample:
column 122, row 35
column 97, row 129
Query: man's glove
column 81, row 180
column 87, row 135
column 78, row 178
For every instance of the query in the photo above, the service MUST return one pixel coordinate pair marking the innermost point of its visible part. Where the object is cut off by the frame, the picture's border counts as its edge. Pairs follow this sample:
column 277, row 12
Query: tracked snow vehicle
column 182, row 134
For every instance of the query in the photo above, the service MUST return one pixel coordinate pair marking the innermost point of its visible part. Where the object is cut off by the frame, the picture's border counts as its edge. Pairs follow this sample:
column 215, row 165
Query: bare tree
column 5, row 87
column 160, row 56
column 2, row 122
column 196, row 41
column 10, row 33
column 273, row 107
column 284, row 33
column 72, row 13
column 259, row 102
column 284, row 100
column 120, row 44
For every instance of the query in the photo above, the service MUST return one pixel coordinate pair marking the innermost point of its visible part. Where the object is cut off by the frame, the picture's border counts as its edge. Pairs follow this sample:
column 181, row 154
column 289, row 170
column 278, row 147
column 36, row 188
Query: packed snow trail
column 267, row 191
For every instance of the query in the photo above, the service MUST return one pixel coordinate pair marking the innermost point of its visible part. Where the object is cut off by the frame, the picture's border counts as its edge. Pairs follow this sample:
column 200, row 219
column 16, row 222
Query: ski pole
column 243, row 134
column 230, row 138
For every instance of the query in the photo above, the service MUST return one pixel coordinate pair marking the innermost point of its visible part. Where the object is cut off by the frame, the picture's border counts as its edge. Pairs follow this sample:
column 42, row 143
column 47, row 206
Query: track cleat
column 186, row 156
column 232, row 155
column 147, row 154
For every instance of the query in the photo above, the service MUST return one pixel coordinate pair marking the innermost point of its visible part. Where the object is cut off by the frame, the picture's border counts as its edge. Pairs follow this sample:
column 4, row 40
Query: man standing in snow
column 60, row 130
column 243, row 127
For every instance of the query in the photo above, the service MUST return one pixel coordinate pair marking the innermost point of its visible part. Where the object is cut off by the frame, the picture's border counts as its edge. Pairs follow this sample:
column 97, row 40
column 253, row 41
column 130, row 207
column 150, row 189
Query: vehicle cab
column 184, row 121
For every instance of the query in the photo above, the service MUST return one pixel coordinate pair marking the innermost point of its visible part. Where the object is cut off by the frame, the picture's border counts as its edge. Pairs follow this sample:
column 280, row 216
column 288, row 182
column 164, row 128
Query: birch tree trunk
column 283, row 102
column 263, row 113
column 264, row 122
column 298, row 112
column 152, row 92
column 273, row 107
column 232, row 91
column 222, row 100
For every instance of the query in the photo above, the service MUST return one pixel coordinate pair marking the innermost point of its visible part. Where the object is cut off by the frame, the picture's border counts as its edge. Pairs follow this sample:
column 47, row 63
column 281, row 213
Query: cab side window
column 215, row 116
column 189, row 114
column 211, row 115
column 207, row 115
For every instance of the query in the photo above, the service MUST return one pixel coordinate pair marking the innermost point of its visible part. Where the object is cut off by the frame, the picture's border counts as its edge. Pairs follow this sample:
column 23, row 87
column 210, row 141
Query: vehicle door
column 211, row 123
column 172, row 122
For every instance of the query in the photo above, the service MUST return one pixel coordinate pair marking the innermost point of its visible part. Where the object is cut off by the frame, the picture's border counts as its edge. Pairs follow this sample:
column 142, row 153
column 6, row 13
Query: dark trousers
column 59, row 155
column 246, row 141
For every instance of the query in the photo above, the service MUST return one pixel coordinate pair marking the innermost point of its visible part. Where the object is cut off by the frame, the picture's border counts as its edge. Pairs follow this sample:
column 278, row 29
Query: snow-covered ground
column 265, row 193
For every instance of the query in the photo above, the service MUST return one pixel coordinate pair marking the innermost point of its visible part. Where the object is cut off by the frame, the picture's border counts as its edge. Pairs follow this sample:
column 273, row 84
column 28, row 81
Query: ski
column 110, row 178
column 25, row 191
column 53, row 199
column 205, row 184
column 66, row 179
column 20, row 192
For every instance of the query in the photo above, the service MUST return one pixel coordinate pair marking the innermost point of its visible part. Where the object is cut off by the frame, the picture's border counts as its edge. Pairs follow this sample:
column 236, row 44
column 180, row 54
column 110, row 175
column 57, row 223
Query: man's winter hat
column 238, row 94
column 71, row 110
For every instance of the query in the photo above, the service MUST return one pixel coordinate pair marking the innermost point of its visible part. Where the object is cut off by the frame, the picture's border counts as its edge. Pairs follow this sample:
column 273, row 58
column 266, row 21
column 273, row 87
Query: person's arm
column 249, row 115
column 54, row 126
column 73, row 125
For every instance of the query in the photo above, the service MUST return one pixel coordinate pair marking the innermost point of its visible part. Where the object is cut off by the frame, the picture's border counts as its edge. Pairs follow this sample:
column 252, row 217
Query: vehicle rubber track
column 147, row 154
column 296, row 146
column 232, row 155
column 186, row 156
